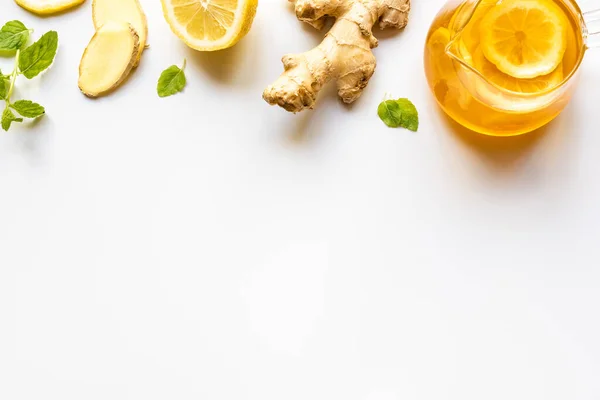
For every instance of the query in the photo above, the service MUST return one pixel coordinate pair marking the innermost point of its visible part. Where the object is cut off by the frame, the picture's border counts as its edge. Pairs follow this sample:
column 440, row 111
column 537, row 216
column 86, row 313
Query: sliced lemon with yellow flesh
column 525, row 38
column 499, row 78
column 436, row 44
column 447, row 80
column 471, row 33
column 45, row 7
column 209, row 25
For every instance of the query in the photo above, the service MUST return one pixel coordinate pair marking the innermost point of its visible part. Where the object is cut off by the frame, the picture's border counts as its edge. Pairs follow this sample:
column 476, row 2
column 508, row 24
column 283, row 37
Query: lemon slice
column 471, row 33
column 491, row 96
column 447, row 80
column 45, row 7
column 525, row 38
column 438, row 40
column 209, row 25
column 436, row 44
column 499, row 78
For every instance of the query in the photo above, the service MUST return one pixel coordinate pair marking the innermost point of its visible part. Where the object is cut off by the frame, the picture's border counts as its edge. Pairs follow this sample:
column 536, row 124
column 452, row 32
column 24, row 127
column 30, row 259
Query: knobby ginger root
column 344, row 55
column 108, row 59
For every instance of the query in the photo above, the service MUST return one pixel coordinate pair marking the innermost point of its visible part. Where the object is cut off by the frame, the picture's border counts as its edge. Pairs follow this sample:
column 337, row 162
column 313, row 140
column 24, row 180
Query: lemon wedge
column 209, row 25
column 46, row 7
column 525, row 38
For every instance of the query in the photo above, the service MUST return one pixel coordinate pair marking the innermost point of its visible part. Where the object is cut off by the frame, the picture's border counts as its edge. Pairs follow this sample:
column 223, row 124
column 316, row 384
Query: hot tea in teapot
column 505, row 67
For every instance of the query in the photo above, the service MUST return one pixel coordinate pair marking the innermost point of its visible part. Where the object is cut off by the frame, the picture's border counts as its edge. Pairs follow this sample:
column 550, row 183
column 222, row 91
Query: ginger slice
column 108, row 59
column 344, row 55
column 125, row 11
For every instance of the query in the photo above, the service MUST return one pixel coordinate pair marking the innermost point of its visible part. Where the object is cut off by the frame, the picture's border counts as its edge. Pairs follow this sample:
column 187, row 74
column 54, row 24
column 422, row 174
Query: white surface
column 208, row 246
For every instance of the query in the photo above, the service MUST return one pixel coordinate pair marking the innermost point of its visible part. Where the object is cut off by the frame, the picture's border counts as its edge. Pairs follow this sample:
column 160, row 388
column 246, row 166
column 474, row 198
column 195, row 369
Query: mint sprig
column 29, row 62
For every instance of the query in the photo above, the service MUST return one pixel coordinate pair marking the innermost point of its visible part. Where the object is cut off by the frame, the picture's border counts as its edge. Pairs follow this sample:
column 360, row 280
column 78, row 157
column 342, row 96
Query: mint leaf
column 28, row 109
column 399, row 113
column 410, row 115
column 13, row 36
column 39, row 56
column 390, row 113
column 8, row 118
column 171, row 81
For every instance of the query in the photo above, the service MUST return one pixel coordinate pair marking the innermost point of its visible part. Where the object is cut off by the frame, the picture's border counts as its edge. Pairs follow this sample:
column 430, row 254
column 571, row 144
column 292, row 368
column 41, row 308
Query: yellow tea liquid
column 482, row 98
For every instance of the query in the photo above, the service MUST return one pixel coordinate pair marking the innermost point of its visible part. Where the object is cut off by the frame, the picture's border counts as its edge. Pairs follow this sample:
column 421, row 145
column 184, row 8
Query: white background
column 209, row 246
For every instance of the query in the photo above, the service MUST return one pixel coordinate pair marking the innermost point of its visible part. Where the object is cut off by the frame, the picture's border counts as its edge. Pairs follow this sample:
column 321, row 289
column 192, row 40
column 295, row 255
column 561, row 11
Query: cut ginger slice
column 125, row 11
column 108, row 59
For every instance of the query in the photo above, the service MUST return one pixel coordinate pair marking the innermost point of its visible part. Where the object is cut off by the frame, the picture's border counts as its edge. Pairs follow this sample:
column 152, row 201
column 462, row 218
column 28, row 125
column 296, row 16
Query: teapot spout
column 465, row 31
column 458, row 51
column 465, row 13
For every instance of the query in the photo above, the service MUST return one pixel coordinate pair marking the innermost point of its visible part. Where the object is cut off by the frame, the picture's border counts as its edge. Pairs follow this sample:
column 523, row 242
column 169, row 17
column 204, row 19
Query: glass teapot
column 473, row 90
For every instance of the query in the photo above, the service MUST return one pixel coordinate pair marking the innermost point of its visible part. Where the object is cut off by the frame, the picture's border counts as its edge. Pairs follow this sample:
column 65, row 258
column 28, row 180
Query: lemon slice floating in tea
column 447, row 85
column 525, row 38
column 533, row 85
column 471, row 33
column 437, row 43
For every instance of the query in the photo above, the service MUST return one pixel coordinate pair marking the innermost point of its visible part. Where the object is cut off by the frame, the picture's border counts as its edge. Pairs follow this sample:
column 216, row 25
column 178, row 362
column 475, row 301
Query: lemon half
column 209, row 25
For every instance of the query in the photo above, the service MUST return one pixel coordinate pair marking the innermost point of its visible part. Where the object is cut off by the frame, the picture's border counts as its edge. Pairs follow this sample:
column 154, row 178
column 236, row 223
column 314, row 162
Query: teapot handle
column 591, row 29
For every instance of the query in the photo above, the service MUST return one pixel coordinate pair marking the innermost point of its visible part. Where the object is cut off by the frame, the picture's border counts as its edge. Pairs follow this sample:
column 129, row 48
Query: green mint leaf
column 8, row 118
column 28, row 109
column 410, row 115
column 390, row 113
column 399, row 113
column 13, row 36
column 39, row 56
column 4, row 84
column 171, row 81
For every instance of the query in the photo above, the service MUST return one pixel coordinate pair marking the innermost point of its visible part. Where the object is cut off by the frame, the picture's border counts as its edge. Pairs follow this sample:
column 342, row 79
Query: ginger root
column 125, row 11
column 116, row 47
column 108, row 59
column 344, row 55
